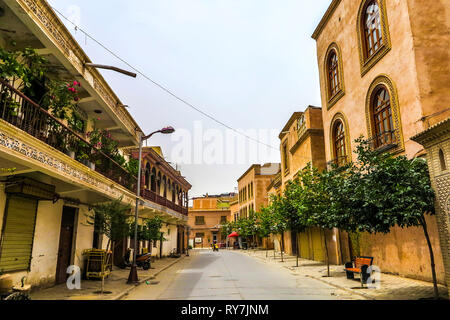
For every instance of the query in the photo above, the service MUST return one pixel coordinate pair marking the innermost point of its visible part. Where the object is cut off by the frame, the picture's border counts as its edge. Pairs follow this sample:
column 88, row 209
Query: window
column 382, row 115
column 199, row 235
column 340, row 151
column 285, row 158
column 373, row 34
column 333, row 74
column 372, row 29
column 200, row 220
column 223, row 219
column 442, row 160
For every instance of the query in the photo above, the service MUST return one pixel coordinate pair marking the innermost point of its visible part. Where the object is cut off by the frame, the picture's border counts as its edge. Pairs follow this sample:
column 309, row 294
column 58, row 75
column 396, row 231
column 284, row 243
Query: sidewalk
column 115, row 285
column 391, row 287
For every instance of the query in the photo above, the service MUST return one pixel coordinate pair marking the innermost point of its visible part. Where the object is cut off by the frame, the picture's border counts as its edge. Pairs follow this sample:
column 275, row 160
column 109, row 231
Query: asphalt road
column 229, row 275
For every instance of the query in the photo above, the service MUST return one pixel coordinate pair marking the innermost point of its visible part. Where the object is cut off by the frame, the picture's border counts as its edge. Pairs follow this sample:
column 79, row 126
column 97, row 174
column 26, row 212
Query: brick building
column 252, row 186
column 384, row 77
column 302, row 144
column 205, row 218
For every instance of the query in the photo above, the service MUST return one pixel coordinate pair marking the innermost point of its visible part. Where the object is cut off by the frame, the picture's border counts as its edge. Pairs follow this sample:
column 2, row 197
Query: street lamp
column 188, row 234
column 133, row 277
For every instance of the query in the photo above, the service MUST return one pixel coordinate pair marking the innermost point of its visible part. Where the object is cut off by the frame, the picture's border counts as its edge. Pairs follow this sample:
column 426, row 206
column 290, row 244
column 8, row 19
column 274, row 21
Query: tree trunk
column 103, row 267
column 430, row 248
column 326, row 253
column 274, row 256
column 267, row 247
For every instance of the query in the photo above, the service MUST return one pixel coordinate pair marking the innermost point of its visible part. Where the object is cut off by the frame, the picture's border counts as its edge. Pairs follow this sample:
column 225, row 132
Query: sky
column 248, row 63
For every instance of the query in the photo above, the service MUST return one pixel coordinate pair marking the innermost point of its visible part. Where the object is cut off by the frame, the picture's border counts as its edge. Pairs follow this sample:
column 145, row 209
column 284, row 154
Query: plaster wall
column 430, row 25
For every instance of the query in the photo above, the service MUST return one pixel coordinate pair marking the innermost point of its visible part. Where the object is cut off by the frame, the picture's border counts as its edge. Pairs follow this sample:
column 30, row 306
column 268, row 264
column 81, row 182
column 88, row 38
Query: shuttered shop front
column 18, row 233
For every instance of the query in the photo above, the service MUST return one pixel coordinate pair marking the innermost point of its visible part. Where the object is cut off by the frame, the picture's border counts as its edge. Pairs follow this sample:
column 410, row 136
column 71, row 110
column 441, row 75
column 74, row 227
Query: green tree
column 279, row 224
column 378, row 192
column 112, row 220
column 265, row 221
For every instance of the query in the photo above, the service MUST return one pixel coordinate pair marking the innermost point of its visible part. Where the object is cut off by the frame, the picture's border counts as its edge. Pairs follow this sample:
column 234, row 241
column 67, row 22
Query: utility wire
column 168, row 91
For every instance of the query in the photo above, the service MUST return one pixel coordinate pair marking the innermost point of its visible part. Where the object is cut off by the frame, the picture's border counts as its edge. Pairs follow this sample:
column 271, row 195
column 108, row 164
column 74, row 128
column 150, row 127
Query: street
column 230, row 275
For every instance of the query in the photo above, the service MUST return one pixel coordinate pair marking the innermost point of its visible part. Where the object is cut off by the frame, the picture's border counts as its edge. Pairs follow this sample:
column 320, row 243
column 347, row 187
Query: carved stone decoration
column 443, row 192
column 55, row 164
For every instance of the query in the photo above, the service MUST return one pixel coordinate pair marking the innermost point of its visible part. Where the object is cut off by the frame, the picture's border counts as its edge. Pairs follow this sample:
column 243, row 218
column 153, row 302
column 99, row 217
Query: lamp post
column 133, row 277
column 188, row 232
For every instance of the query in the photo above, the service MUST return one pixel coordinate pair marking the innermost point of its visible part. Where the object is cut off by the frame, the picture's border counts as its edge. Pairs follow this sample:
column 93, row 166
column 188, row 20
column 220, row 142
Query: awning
column 233, row 235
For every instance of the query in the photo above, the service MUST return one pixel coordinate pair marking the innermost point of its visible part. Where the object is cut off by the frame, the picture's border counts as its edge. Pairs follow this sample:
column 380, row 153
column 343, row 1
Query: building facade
column 51, row 173
column 166, row 194
column 382, row 77
column 206, row 217
column 252, row 186
column 301, row 145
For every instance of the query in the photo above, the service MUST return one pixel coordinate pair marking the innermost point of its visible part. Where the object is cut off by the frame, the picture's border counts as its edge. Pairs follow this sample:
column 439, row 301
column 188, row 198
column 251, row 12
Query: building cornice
column 306, row 134
column 433, row 133
column 323, row 22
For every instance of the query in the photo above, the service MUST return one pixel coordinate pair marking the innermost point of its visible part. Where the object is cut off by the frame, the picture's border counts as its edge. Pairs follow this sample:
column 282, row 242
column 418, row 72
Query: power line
column 168, row 91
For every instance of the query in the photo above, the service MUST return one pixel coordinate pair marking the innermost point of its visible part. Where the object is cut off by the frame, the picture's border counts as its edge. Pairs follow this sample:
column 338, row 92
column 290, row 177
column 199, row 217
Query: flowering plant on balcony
column 60, row 98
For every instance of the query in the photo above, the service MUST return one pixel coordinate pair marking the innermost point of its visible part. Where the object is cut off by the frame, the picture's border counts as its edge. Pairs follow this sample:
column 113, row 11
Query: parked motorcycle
column 9, row 292
column 142, row 260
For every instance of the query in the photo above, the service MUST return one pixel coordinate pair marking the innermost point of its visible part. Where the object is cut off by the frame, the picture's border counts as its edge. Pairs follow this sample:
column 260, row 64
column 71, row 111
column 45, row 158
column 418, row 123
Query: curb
column 153, row 276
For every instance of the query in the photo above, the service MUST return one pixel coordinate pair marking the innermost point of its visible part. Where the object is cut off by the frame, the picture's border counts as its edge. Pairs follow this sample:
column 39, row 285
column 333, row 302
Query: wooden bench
column 360, row 265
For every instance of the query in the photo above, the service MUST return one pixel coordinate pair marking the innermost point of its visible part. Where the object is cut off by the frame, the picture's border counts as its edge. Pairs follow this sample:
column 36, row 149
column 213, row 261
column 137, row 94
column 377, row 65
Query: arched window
column 333, row 74
column 158, row 183
column 164, row 181
column 340, row 149
column 153, row 180
column 147, row 176
column 173, row 192
column 442, row 160
column 373, row 34
column 382, row 117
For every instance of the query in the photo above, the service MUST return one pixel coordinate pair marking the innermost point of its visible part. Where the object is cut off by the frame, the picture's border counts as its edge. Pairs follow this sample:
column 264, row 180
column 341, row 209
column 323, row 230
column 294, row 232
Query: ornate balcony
column 25, row 114
column 156, row 198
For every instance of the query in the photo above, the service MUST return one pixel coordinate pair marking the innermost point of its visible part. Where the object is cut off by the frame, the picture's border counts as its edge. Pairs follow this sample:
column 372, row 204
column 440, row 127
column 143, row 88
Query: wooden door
column 65, row 244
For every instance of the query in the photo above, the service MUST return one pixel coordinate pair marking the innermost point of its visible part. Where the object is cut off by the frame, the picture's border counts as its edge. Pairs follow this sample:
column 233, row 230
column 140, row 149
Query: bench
column 360, row 265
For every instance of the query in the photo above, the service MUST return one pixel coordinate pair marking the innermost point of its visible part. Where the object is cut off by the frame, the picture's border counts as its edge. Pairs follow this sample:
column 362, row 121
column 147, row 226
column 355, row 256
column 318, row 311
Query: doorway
column 65, row 244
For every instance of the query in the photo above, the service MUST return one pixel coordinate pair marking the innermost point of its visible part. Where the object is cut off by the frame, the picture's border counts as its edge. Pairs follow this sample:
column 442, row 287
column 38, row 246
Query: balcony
column 156, row 198
column 23, row 113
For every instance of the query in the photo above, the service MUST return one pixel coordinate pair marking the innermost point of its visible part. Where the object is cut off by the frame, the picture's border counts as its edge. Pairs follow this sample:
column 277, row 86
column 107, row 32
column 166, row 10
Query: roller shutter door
column 18, row 234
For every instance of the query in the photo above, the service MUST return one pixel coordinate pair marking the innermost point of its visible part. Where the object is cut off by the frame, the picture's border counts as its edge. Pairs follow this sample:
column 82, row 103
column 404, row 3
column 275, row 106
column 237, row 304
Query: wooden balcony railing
column 25, row 114
column 156, row 198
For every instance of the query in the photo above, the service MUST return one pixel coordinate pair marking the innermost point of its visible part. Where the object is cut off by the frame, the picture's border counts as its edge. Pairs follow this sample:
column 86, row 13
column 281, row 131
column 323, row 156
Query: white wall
column 84, row 237
column 171, row 242
column 46, row 243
